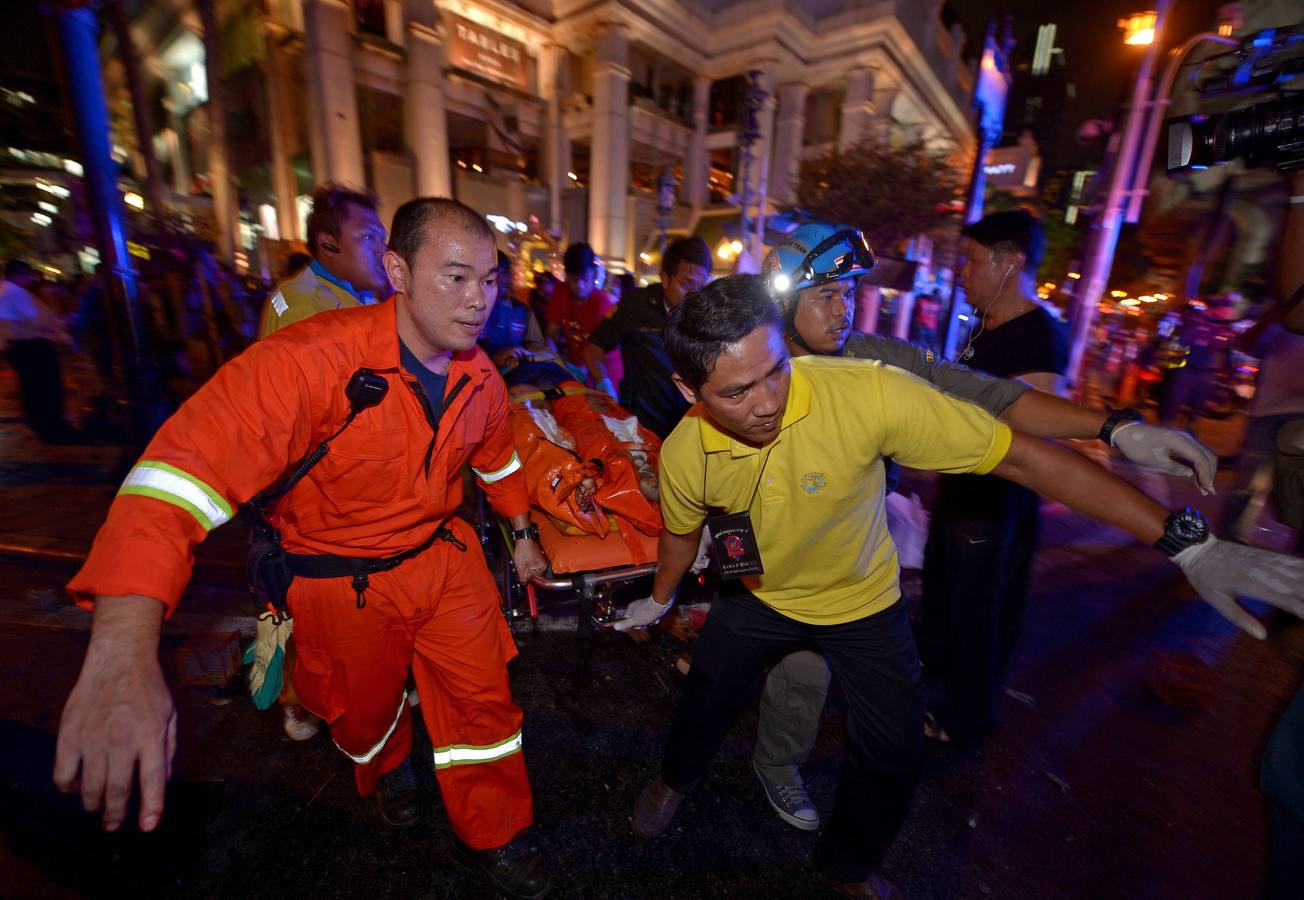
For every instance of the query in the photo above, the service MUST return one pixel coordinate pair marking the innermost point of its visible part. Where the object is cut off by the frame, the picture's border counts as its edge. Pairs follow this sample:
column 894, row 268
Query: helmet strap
column 790, row 327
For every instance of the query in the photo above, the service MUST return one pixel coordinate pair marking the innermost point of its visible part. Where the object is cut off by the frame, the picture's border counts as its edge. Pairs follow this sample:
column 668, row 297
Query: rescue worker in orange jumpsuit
column 387, row 487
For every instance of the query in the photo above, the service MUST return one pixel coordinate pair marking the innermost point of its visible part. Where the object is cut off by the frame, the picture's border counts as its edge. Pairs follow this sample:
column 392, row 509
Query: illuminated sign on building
column 482, row 51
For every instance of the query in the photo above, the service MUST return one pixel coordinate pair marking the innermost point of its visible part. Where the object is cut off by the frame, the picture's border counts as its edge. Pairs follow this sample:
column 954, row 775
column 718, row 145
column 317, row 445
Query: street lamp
column 749, row 133
column 1139, row 28
column 1142, row 29
column 1130, row 171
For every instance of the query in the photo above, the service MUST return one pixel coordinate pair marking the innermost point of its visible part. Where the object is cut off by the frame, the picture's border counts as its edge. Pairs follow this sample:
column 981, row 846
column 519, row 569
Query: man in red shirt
column 577, row 306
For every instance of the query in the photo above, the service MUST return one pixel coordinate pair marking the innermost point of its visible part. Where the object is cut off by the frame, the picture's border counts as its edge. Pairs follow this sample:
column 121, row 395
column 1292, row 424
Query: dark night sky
column 1100, row 65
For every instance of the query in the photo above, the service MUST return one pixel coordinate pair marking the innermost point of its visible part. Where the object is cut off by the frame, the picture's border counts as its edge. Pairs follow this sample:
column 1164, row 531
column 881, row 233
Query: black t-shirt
column 646, row 390
column 1036, row 341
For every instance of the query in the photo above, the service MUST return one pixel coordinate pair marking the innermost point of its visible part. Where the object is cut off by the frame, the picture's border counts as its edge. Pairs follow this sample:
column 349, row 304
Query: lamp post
column 1143, row 29
column 749, row 133
column 143, row 405
column 665, row 203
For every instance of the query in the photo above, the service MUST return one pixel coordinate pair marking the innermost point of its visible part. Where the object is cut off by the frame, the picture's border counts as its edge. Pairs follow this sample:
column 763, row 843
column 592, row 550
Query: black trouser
column 977, row 570
column 875, row 661
column 40, row 386
column 1281, row 779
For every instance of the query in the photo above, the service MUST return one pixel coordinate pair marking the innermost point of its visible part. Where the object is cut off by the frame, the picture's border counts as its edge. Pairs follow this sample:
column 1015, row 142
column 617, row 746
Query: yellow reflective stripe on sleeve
column 371, row 754
column 490, row 477
column 171, row 485
column 465, row 755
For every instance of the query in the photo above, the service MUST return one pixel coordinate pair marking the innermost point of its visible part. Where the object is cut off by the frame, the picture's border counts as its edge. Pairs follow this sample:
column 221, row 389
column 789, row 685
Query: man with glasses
column 347, row 243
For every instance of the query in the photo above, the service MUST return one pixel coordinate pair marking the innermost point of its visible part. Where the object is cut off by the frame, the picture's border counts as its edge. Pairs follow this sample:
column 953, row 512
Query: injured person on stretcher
column 590, row 467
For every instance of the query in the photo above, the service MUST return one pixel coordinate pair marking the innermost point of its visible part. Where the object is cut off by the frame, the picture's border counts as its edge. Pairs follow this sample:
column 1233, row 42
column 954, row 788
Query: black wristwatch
column 528, row 533
column 1183, row 529
column 1117, row 418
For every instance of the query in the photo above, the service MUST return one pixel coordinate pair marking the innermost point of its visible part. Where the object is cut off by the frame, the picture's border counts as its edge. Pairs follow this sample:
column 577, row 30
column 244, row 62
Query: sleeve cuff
column 1000, row 446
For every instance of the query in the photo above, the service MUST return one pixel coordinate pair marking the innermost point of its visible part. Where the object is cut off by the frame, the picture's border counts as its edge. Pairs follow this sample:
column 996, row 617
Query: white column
column 555, row 156
column 226, row 214
column 857, row 108
column 394, row 31
column 789, row 135
column 333, row 101
column 609, row 159
column 280, row 122
column 763, row 150
column 176, row 151
column 697, row 167
column 425, row 124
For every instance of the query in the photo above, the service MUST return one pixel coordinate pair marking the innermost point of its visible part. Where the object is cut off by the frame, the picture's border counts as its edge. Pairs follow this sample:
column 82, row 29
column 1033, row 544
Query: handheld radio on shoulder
column 364, row 390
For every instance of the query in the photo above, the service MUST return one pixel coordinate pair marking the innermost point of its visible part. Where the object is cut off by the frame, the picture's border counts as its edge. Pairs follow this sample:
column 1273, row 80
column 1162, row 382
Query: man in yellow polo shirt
column 347, row 241
column 784, row 458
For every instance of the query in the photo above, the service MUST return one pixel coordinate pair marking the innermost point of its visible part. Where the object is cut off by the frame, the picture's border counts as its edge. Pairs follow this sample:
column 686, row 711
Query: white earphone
column 982, row 321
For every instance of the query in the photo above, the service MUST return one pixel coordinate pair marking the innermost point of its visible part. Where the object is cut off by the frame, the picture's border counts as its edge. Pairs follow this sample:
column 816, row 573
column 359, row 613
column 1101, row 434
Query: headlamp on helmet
column 814, row 254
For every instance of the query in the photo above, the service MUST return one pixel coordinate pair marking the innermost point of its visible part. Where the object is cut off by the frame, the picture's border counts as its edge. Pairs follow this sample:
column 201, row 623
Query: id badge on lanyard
column 733, row 539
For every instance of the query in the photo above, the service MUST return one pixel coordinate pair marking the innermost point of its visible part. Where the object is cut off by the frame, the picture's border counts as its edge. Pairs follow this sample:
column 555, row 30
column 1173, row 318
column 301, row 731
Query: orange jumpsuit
column 386, row 483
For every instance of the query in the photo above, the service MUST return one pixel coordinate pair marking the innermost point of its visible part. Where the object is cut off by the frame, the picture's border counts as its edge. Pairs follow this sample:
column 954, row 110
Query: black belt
column 328, row 565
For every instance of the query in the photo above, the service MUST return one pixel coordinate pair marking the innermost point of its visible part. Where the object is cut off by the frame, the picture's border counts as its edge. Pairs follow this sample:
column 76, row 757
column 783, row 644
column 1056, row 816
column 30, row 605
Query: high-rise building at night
column 1040, row 93
column 567, row 113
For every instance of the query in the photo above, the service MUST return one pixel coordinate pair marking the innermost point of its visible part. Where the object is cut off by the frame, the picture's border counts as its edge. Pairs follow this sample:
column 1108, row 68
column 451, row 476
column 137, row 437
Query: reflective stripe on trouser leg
column 464, row 755
column 460, row 667
column 367, row 757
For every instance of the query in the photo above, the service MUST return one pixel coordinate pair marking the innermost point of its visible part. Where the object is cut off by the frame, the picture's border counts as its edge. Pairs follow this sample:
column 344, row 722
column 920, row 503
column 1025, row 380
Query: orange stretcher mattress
column 570, row 554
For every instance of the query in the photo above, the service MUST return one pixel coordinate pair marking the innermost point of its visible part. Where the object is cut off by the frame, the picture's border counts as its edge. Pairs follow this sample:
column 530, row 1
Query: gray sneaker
column 790, row 801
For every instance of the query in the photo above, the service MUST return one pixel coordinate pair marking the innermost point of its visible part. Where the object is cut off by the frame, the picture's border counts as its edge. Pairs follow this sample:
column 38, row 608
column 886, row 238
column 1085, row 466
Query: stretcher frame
column 592, row 589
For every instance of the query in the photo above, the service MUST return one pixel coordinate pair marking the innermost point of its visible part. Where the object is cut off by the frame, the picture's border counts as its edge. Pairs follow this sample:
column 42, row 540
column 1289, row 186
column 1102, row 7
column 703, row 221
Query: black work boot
column 516, row 867
column 399, row 796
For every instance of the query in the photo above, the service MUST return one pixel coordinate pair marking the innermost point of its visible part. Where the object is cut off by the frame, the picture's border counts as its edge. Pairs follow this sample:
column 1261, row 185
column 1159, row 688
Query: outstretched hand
column 1220, row 571
column 119, row 724
column 118, row 719
column 1167, row 450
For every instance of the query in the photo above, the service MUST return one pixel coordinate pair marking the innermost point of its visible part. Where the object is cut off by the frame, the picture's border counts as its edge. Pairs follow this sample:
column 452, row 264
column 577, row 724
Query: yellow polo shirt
column 815, row 493
column 301, row 296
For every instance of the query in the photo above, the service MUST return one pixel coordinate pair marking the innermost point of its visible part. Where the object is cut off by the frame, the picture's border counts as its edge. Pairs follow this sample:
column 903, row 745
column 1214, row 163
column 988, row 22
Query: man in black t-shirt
column 635, row 328
column 978, row 560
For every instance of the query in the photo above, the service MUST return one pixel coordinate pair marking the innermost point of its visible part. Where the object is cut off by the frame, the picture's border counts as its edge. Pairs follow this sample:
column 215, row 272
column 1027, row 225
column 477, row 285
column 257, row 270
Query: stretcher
column 590, row 470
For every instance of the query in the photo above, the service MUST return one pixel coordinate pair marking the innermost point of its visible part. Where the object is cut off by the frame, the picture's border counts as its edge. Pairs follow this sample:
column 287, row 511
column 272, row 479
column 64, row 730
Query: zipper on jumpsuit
column 442, row 532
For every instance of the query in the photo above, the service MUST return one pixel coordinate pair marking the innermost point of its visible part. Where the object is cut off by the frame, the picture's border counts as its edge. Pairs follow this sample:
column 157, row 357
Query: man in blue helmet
column 812, row 277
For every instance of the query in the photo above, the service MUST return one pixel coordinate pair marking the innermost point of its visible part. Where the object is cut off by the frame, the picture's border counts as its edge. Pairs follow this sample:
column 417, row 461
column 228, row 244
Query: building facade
column 561, row 114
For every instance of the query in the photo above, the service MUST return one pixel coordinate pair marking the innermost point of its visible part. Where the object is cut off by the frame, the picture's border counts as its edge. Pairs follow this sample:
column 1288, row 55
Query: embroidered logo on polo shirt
column 812, row 482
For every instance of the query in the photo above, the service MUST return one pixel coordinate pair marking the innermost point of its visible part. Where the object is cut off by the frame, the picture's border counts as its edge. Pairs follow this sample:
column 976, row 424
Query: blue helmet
column 813, row 254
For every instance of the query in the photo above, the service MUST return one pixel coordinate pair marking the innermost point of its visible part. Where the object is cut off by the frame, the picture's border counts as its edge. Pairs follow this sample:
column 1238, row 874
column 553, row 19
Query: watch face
column 1190, row 526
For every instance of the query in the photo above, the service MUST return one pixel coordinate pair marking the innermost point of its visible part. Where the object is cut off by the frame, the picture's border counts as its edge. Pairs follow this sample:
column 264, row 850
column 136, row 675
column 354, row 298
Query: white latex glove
column 607, row 388
column 1166, row 450
column 642, row 613
column 1220, row 571
column 703, row 552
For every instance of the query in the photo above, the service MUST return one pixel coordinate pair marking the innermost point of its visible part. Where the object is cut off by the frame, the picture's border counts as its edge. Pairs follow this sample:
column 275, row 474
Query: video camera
column 1263, row 135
